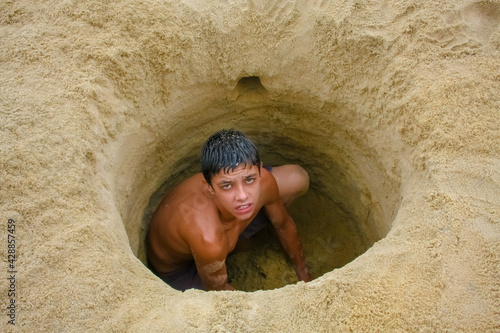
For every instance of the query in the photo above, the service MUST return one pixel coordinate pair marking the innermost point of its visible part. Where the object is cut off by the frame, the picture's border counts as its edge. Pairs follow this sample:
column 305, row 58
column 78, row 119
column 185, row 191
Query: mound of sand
column 392, row 107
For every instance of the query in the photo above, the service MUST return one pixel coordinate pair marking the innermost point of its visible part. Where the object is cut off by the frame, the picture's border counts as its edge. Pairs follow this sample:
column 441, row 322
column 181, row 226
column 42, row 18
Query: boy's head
column 226, row 150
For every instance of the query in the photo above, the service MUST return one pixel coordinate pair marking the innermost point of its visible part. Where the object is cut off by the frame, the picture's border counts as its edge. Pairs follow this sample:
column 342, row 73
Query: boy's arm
column 289, row 238
column 210, row 259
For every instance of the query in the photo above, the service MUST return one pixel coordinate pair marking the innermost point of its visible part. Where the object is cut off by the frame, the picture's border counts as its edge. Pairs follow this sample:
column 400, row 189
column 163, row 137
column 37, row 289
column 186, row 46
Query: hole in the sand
column 336, row 218
column 250, row 84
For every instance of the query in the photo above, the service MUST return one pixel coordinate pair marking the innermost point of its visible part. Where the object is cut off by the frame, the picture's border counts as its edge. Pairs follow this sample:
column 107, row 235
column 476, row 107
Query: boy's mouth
column 243, row 208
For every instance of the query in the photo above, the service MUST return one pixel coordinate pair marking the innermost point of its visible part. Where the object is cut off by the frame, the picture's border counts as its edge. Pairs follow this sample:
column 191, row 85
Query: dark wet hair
column 226, row 150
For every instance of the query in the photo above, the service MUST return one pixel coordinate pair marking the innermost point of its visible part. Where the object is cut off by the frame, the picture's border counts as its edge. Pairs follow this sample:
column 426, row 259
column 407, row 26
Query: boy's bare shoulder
column 186, row 215
column 269, row 187
column 189, row 204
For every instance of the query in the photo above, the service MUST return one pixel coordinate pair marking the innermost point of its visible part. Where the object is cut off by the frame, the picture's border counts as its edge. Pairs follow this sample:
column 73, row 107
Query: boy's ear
column 209, row 187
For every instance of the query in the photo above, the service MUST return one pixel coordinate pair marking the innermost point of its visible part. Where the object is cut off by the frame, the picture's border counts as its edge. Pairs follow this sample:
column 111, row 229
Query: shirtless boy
column 201, row 221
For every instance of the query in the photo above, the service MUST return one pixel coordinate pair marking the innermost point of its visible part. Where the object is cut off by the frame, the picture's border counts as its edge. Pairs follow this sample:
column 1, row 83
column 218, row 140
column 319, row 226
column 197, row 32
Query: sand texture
column 391, row 106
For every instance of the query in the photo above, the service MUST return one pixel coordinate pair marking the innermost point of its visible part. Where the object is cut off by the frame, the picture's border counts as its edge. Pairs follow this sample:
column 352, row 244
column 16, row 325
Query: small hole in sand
column 250, row 84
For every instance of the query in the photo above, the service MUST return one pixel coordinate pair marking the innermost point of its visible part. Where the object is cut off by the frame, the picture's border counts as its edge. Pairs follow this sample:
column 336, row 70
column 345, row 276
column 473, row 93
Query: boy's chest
column 234, row 230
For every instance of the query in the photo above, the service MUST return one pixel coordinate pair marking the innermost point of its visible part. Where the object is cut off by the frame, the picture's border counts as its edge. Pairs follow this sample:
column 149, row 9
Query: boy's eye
column 250, row 180
column 226, row 186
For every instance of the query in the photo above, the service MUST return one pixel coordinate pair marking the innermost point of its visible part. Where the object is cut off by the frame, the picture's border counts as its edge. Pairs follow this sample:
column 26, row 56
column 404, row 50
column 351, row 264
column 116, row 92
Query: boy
column 201, row 221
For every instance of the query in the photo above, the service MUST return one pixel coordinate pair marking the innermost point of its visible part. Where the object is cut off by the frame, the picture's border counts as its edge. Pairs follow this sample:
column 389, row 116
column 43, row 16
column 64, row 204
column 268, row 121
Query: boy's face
column 237, row 191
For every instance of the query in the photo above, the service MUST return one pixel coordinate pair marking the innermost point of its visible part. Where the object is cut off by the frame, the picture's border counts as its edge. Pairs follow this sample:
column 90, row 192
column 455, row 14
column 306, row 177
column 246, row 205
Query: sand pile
column 392, row 107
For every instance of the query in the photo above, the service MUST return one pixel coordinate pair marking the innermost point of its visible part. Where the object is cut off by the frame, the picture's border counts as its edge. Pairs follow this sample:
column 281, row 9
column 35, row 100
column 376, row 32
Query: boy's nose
column 241, row 194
